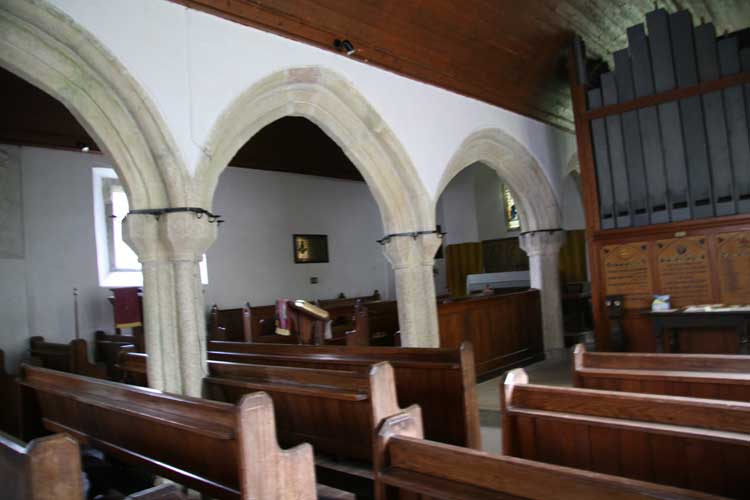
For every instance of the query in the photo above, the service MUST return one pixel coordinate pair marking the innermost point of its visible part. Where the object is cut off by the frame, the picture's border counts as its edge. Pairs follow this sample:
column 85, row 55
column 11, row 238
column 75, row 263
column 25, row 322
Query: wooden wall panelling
column 669, row 114
column 503, row 255
column 691, row 115
column 632, row 140
column 616, row 150
column 738, row 122
column 715, row 123
column 643, row 79
column 573, row 257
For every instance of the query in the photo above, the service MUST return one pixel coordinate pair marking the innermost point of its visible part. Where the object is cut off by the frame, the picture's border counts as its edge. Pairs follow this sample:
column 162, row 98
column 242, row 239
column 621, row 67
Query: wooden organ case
column 664, row 151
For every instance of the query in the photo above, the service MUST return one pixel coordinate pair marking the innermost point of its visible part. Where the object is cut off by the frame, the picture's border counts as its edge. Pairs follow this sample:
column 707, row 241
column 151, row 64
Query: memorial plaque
column 734, row 267
column 682, row 264
column 627, row 273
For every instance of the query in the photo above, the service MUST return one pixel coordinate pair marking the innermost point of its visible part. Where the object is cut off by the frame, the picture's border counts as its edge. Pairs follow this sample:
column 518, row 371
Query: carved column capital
column 186, row 235
column 141, row 233
column 402, row 252
column 539, row 243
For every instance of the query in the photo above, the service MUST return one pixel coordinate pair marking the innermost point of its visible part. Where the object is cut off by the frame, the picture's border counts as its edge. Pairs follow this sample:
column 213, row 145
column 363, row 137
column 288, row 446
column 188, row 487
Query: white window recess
column 117, row 263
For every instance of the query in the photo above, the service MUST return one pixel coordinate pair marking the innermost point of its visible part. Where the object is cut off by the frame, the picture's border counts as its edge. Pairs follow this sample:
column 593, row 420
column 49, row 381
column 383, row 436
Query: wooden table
column 678, row 320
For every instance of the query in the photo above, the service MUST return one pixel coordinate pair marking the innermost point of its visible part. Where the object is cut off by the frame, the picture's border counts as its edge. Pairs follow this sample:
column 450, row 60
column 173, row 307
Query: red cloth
column 282, row 320
column 127, row 306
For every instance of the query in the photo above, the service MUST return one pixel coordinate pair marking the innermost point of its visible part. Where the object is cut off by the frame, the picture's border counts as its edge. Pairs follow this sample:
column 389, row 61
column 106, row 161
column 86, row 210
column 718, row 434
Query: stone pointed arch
column 333, row 104
column 46, row 47
column 539, row 211
column 495, row 148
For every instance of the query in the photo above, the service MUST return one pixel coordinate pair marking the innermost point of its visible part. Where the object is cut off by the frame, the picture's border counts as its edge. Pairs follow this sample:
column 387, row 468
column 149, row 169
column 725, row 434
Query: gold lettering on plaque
column 627, row 272
column 734, row 267
column 683, row 270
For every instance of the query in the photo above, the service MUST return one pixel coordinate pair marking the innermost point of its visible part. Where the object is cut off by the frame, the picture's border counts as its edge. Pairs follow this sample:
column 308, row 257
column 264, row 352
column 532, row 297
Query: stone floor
column 550, row 372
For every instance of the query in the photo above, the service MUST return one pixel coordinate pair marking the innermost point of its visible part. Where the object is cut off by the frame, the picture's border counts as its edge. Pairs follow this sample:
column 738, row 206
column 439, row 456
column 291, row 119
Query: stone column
column 187, row 236
column 141, row 233
column 543, row 249
column 415, row 288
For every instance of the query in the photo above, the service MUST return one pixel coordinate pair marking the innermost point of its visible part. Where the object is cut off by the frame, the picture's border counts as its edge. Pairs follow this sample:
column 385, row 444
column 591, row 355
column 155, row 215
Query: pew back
column 442, row 381
column 411, row 467
column 230, row 324
column 665, row 439
column 71, row 358
column 48, row 468
column 107, row 346
column 695, row 375
column 337, row 412
column 222, row 450
column 10, row 415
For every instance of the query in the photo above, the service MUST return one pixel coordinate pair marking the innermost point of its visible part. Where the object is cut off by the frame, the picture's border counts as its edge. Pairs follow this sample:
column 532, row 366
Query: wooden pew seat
column 219, row 449
column 409, row 466
column 47, row 468
column 695, row 375
column 442, row 381
column 72, row 357
column 10, row 415
column 700, row 444
column 337, row 412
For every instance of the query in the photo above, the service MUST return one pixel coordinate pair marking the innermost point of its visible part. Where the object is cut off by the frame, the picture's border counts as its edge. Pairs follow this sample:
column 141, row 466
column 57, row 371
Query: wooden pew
column 337, row 412
column 230, row 324
column 48, row 468
column 219, row 449
column 131, row 366
column 382, row 322
column 505, row 329
column 714, row 376
column 107, row 346
column 441, row 381
column 343, row 301
column 71, row 358
column 10, row 415
column 700, row 444
column 410, row 467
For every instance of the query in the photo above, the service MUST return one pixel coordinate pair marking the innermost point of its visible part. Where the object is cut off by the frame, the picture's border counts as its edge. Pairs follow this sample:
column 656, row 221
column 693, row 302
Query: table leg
column 658, row 331
column 742, row 330
column 674, row 340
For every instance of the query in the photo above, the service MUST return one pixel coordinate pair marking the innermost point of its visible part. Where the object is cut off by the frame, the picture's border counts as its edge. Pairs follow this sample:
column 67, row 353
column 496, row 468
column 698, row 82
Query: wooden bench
column 410, row 467
column 505, row 329
column 47, row 468
column 230, row 324
column 700, row 444
column 343, row 301
column 71, row 358
column 108, row 345
column 714, row 376
column 219, row 449
column 10, row 416
column 441, row 381
column 337, row 412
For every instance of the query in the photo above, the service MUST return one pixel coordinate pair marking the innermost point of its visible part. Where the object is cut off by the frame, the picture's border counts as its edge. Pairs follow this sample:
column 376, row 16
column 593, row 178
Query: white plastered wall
column 194, row 65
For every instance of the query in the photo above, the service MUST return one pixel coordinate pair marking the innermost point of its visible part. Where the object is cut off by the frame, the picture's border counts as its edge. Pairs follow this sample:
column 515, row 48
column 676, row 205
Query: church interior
column 308, row 249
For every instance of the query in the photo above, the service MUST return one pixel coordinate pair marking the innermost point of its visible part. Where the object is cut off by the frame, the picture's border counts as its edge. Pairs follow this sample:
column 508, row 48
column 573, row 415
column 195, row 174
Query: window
column 511, row 212
column 117, row 263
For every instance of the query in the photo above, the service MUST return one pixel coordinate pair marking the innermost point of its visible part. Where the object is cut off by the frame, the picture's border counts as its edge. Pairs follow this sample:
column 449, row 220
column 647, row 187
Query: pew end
column 47, row 468
column 267, row 471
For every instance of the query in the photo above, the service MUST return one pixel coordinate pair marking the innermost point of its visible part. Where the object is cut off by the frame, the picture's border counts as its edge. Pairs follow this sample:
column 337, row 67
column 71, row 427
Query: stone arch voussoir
column 512, row 161
column 44, row 46
column 333, row 104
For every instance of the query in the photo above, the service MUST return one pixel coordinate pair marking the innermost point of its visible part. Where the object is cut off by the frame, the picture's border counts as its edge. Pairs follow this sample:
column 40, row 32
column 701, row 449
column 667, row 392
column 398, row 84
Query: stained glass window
column 511, row 212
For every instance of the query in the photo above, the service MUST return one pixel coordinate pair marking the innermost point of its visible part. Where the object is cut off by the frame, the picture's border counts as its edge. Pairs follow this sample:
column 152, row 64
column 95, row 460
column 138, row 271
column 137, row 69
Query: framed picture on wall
column 310, row 248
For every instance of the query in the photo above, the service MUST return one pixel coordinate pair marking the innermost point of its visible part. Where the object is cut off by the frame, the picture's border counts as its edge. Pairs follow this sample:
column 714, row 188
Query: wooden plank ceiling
column 506, row 52
column 30, row 117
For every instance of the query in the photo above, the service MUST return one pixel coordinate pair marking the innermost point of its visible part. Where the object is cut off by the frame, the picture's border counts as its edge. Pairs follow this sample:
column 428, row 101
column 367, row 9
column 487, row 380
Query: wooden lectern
column 308, row 321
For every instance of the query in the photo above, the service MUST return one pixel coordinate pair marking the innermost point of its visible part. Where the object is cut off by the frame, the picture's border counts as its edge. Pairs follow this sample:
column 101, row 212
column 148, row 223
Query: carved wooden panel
column 733, row 267
column 683, row 270
column 627, row 272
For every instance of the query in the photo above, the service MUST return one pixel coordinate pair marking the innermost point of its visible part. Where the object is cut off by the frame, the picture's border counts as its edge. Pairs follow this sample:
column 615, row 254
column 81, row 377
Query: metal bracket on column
column 412, row 234
column 199, row 212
